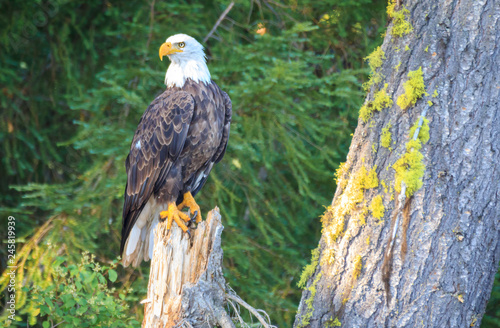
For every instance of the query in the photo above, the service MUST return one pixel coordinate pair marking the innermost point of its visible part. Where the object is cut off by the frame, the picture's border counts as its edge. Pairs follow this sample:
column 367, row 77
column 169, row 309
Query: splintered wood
column 178, row 263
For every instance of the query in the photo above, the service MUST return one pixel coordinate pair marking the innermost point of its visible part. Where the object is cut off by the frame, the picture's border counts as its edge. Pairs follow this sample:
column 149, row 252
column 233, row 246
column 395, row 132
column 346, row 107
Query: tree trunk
column 426, row 252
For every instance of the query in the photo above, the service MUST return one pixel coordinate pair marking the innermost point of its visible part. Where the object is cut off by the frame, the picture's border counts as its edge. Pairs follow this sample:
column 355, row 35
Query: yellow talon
column 174, row 214
column 189, row 201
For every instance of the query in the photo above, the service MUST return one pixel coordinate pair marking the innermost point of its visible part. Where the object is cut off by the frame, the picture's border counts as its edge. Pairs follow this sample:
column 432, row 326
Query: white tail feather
column 132, row 240
column 140, row 242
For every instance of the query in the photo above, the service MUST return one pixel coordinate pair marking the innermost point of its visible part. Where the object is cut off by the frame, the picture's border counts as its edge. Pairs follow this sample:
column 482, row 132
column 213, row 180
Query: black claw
column 192, row 222
column 194, row 215
column 189, row 233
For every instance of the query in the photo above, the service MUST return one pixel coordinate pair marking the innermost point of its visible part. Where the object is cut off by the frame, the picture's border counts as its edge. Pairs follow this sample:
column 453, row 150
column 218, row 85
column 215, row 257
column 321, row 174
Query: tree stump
column 186, row 285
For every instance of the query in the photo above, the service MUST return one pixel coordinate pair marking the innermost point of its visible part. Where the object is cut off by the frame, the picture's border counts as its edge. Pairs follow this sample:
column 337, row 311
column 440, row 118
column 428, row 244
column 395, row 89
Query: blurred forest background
column 75, row 79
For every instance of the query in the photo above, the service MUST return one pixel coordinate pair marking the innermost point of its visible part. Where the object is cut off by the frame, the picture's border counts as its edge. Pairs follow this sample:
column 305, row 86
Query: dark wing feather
column 227, row 124
column 157, row 143
column 221, row 150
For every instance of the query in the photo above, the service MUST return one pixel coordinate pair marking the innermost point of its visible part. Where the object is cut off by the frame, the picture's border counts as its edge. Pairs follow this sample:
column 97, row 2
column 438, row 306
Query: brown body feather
column 182, row 134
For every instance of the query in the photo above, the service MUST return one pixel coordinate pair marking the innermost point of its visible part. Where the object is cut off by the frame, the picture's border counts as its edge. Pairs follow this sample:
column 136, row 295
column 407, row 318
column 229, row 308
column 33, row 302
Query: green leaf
column 112, row 275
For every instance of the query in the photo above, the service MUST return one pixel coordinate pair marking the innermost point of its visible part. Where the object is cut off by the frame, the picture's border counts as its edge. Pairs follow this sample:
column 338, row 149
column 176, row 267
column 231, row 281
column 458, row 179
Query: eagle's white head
column 187, row 58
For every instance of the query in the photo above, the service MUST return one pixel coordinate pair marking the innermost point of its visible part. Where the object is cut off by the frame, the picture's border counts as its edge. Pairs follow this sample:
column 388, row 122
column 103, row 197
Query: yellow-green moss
column 390, row 7
column 382, row 182
column 340, row 174
column 370, row 180
column 391, row 192
column 414, row 144
column 328, row 256
column 360, row 215
column 414, row 89
column 386, row 137
column 352, row 195
column 309, row 269
column 400, row 18
column 375, row 60
column 430, row 103
column 380, row 101
column 407, row 48
column 333, row 226
column 358, row 264
column 334, row 217
column 397, row 66
column 423, row 134
column 410, row 169
column 368, row 241
column 426, row 49
column 387, row 188
column 333, row 322
column 435, row 94
column 377, row 207
column 309, row 302
column 365, row 112
column 361, row 219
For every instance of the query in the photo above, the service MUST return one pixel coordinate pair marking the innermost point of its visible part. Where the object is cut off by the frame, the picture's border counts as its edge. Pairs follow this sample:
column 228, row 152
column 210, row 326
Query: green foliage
column 79, row 296
column 491, row 318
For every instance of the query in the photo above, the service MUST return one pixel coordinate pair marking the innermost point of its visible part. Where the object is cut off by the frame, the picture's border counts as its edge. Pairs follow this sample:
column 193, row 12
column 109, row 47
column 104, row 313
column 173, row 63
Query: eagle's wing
column 221, row 150
column 157, row 143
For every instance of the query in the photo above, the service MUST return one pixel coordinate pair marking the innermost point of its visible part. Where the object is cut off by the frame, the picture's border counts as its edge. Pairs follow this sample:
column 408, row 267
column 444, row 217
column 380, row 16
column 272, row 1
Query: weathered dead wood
column 186, row 285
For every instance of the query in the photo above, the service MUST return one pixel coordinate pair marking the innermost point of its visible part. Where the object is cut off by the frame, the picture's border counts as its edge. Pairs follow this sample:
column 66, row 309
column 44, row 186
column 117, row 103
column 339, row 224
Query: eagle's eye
column 181, row 44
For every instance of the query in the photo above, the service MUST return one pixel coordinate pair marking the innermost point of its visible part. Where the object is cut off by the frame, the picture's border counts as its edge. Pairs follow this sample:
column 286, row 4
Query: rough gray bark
column 453, row 235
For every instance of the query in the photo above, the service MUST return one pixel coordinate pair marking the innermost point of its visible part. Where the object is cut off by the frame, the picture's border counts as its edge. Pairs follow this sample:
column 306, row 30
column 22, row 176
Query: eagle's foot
column 174, row 214
column 189, row 201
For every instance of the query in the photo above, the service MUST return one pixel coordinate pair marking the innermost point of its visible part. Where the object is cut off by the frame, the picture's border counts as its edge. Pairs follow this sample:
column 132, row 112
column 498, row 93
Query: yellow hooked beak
column 167, row 49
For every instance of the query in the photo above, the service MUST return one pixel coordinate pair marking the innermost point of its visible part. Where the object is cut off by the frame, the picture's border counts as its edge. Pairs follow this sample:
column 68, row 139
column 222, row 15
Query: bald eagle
column 180, row 137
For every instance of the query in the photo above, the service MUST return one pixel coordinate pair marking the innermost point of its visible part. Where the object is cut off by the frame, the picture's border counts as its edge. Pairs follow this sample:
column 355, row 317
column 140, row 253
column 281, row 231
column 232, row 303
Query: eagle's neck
column 181, row 69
